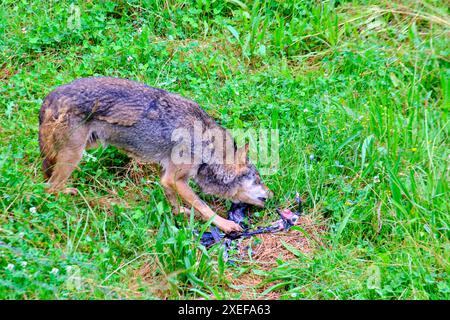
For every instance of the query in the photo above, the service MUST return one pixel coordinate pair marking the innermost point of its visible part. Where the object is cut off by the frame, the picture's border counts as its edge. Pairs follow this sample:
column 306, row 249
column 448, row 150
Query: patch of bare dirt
column 266, row 249
column 272, row 246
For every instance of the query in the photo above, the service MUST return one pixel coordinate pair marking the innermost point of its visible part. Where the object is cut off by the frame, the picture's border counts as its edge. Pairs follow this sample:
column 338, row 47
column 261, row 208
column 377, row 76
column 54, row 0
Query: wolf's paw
column 55, row 190
column 71, row 191
column 229, row 226
column 182, row 210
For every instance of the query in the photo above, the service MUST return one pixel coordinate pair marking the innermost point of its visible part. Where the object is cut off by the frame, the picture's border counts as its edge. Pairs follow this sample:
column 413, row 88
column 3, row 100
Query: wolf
column 152, row 126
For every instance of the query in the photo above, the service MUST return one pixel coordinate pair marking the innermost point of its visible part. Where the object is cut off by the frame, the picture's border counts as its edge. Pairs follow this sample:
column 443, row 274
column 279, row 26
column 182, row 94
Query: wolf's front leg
column 188, row 195
column 168, row 185
column 177, row 208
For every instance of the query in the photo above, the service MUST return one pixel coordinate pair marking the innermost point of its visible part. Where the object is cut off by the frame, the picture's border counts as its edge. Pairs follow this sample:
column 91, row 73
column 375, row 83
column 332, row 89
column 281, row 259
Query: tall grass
column 358, row 89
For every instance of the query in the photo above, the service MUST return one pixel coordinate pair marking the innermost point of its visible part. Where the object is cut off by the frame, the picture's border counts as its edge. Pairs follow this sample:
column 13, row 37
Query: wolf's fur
column 141, row 120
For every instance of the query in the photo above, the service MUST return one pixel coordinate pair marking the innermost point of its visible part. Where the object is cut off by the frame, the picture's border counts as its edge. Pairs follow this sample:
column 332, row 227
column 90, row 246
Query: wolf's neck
column 218, row 179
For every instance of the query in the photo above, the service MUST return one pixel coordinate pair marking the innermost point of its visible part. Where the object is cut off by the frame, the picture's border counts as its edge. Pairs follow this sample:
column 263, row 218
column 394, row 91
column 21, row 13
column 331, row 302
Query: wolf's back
column 121, row 112
column 121, row 101
column 118, row 101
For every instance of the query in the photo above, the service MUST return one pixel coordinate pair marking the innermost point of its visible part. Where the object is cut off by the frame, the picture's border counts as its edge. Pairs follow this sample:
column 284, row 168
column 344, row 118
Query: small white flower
column 305, row 110
column 129, row 58
column 24, row 30
column 10, row 266
column 311, row 157
column 24, row 264
column 139, row 30
column 376, row 179
column 338, row 164
column 33, row 210
column 54, row 271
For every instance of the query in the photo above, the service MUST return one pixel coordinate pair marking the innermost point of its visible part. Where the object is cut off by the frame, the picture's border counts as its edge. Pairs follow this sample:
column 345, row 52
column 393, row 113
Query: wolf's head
column 239, row 182
column 248, row 185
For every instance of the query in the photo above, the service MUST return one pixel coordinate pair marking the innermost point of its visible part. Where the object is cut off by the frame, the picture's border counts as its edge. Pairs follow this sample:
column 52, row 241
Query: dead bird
column 237, row 213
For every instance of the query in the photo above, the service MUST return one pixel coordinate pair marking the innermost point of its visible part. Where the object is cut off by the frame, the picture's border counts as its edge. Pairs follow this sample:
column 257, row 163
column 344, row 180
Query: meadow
column 358, row 90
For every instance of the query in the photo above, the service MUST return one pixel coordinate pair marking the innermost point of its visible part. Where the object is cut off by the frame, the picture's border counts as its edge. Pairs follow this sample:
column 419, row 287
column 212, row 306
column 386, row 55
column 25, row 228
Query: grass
column 359, row 91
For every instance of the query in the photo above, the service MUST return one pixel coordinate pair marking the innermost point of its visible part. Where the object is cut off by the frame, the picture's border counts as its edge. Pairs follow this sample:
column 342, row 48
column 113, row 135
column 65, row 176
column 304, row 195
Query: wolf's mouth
column 256, row 201
column 260, row 201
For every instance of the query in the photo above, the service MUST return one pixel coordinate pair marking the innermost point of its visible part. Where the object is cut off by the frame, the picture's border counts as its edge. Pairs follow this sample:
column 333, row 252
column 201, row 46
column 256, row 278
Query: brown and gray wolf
column 152, row 126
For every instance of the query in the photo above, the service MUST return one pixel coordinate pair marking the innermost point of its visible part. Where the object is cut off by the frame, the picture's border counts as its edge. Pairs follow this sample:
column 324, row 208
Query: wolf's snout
column 263, row 199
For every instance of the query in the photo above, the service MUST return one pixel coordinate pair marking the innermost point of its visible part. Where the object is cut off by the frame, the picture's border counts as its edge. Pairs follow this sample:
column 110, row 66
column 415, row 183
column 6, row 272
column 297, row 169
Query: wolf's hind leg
column 67, row 159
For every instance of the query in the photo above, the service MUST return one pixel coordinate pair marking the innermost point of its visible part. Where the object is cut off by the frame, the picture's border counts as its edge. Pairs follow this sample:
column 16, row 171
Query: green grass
column 359, row 90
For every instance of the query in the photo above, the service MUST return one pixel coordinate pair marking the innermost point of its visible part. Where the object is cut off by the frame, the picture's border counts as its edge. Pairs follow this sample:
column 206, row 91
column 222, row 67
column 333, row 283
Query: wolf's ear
column 241, row 154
